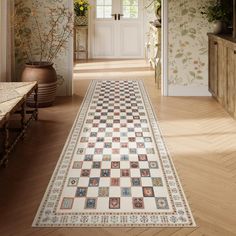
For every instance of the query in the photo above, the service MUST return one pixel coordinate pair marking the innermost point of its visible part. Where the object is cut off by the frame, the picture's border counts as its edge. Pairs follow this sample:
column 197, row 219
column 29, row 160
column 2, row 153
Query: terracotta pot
column 46, row 76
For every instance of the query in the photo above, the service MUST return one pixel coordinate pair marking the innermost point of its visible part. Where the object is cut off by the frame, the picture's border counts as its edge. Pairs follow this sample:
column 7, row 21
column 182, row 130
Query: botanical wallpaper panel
column 61, row 63
column 188, row 43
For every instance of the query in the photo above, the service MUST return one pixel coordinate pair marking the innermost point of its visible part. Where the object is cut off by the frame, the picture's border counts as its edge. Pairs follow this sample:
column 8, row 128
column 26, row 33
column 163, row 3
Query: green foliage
column 156, row 3
column 81, row 7
column 217, row 10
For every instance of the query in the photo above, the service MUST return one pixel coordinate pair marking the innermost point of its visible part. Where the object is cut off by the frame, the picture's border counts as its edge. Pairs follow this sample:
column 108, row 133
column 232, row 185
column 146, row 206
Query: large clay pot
column 46, row 76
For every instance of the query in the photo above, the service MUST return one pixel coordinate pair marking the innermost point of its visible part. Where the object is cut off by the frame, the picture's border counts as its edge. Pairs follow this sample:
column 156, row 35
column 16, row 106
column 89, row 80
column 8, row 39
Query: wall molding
column 165, row 49
column 188, row 91
column 69, row 87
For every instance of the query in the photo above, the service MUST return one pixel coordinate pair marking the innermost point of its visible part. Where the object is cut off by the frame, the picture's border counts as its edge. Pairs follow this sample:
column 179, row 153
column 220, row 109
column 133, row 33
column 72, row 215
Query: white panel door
column 104, row 43
column 117, row 29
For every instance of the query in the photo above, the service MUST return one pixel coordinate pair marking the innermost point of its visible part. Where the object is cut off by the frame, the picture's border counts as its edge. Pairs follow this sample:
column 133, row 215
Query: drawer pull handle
column 234, row 51
column 215, row 43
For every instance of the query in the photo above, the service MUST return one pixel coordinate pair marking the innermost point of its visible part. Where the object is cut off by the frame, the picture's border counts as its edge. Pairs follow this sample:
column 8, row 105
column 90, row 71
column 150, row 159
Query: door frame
column 165, row 49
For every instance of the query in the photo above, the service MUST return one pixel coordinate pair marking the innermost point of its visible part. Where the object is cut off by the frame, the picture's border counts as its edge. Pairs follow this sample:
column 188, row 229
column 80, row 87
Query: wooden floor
column 199, row 134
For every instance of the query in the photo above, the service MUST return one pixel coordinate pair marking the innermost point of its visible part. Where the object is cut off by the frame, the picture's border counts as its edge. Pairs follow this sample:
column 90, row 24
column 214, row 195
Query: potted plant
column 39, row 40
column 218, row 13
column 81, row 8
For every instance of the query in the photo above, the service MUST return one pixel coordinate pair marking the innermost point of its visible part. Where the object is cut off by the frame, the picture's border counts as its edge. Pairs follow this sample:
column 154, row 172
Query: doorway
column 106, row 21
column 117, row 29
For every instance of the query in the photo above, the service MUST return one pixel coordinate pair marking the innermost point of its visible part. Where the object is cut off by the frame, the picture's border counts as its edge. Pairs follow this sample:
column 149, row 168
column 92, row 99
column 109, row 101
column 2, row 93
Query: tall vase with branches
column 40, row 37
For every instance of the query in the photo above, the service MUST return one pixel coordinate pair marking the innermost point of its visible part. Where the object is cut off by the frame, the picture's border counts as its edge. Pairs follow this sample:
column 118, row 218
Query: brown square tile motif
column 145, row 172
column 115, row 181
column 138, row 203
column 85, row 173
column 94, row 182
column 148, row 192
column 142, row 157
column 115, row 165
column 125, row 173
column 114, row 203
column 134, row 164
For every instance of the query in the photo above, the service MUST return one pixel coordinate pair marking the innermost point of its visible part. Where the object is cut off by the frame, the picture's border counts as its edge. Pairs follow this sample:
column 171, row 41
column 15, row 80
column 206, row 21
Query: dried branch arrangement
column 41, row 39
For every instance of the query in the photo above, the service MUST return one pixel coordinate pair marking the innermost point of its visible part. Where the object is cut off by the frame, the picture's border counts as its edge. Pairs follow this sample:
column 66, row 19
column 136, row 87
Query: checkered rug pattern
column 115, row 170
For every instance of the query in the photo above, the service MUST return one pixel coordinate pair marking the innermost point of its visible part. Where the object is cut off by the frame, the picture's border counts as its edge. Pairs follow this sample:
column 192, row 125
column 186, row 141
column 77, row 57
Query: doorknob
column 119, row 15
column 115, row 16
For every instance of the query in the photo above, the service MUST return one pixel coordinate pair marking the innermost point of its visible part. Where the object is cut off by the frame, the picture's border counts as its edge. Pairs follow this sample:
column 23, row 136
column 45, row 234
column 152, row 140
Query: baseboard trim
column 196, row 91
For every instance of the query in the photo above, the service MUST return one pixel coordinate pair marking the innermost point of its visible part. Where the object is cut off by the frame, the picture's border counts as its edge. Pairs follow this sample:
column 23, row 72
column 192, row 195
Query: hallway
column 85, row 72
column 199, row 135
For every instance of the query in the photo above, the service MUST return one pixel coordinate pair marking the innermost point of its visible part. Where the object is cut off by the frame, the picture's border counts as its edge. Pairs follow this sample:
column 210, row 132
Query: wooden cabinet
column 222, row 71
column 231, row 77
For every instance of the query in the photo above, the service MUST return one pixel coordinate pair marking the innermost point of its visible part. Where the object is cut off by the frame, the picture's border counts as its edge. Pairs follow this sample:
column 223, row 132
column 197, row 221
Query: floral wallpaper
column 188, row 43
column 61, row 63
column 150, row 11
column 149, row 15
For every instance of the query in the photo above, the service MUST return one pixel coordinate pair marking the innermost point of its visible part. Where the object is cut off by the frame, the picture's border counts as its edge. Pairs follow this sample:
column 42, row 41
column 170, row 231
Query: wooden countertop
column 13, row 94
column 227, row 37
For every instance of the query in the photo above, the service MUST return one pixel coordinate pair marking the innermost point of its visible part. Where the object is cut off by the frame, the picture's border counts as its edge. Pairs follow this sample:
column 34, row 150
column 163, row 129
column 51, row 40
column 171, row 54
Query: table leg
column 23, row 123
column 6, row 145
column 36, row 103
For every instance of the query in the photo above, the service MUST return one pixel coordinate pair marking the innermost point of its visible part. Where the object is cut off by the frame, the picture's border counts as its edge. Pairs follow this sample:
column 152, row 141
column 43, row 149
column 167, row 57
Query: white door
column 117, row 29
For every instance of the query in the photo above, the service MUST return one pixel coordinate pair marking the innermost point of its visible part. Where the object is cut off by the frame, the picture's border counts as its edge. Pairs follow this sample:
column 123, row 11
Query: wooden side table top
column 12, row 95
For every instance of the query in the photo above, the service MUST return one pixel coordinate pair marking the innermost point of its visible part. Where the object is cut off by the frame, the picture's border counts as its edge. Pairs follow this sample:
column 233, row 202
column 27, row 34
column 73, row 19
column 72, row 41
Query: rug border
column 142, row 86
column 61, row 157
column 170, row 156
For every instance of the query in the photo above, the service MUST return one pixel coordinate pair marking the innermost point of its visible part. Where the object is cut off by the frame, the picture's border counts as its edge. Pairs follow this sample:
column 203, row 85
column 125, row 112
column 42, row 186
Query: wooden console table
column 78, row 48
column 13, row 98
column 222, row 70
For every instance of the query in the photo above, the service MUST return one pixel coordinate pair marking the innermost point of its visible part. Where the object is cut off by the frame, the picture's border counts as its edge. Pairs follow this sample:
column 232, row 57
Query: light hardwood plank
column 198, row 132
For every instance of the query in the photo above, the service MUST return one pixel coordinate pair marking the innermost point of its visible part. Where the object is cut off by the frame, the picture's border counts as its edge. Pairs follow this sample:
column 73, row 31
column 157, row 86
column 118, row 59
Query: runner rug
column 115, row 170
